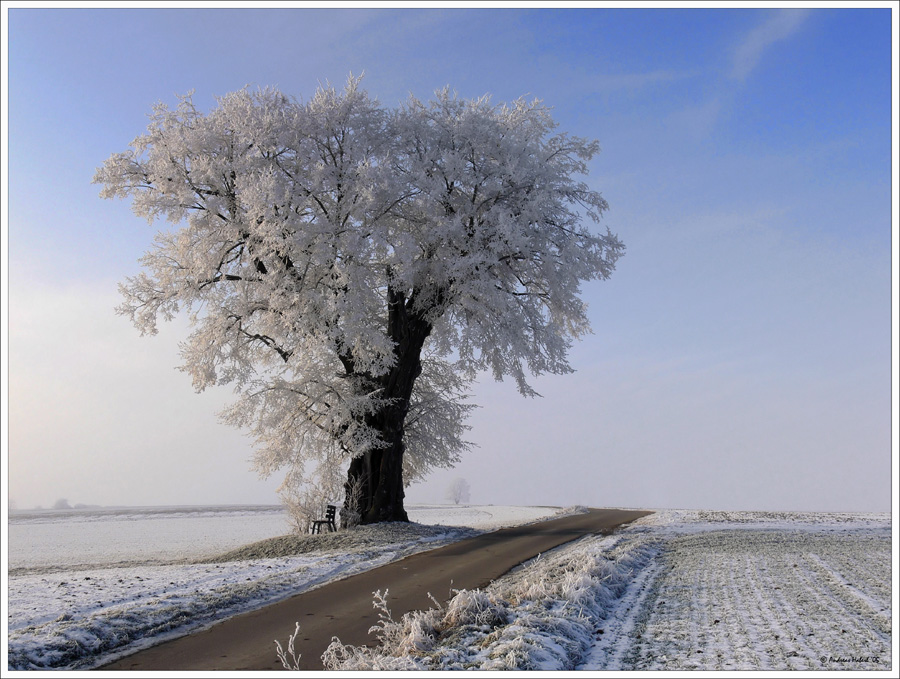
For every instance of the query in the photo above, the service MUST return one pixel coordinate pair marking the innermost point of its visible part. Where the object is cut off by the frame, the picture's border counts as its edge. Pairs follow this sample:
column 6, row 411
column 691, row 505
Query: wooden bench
column 327, row 521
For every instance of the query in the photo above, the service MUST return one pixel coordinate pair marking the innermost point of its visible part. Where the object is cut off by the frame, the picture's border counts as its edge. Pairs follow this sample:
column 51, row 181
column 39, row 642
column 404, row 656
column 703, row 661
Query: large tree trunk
column 374, row 489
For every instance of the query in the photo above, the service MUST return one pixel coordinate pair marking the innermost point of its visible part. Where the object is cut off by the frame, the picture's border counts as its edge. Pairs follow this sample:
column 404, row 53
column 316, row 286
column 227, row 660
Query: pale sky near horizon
column 741, row 355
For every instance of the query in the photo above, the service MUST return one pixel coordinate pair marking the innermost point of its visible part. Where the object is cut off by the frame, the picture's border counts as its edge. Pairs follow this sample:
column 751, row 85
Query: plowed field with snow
column 756, row 599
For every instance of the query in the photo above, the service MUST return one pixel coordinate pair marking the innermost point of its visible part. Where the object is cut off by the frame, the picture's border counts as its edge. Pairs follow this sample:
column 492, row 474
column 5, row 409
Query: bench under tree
column 327, row 521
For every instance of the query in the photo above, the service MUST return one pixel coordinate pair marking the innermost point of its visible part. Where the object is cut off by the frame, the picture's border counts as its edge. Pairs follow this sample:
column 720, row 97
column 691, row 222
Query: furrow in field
column 753, row 645
column 615, row 639
column 654, row 647
column 862, row 584
column 784, row 649
column 845, row 626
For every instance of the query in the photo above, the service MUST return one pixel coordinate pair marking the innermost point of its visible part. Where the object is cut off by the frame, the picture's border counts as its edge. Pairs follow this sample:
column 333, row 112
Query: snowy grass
column 65, row 616
column 542, row 616
column 678, row 590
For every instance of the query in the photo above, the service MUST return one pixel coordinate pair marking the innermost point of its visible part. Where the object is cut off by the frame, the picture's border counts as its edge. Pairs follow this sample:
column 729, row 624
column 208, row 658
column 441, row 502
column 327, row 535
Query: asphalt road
column 344, row 608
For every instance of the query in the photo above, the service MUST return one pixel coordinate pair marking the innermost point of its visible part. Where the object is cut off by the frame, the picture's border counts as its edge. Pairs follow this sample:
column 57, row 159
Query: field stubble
column 759, row 600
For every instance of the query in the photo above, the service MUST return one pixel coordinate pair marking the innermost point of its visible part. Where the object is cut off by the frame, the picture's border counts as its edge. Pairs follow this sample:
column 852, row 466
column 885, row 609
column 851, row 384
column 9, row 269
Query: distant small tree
column 458, row 491
column 62, row 503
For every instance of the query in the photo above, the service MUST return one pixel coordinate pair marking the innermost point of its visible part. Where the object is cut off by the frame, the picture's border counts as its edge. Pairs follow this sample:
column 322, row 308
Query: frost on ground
column 812, row 592
column 540, row 617
column 78, row 619
column 675, row 591
column 63, row 616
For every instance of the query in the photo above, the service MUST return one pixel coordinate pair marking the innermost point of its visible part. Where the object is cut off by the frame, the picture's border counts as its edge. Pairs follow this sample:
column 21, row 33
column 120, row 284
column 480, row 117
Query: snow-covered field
column 54, row 539
column 755, row 592
column 66, row 539
column 87, row 586
column 675, row 590
column 678, row 590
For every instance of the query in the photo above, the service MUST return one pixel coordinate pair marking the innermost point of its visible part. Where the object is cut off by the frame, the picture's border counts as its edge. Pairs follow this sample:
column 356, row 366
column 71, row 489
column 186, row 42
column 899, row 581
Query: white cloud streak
column 779, row 27
column 633, row 81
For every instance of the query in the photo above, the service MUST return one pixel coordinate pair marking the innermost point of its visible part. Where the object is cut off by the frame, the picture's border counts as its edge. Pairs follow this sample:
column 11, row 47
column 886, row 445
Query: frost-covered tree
column 458, row 491
column 350, row 268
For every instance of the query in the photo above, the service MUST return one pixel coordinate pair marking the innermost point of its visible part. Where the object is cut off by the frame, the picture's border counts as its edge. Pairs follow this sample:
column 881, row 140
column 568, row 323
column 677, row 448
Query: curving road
column 344, row 608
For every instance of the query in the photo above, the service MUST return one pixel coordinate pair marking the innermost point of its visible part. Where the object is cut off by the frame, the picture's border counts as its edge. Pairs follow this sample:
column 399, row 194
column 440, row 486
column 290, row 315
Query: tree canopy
column 349, row 268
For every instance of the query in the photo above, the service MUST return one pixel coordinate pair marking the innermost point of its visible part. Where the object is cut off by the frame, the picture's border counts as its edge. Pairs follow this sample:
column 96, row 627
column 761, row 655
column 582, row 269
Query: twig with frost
column 294, row 663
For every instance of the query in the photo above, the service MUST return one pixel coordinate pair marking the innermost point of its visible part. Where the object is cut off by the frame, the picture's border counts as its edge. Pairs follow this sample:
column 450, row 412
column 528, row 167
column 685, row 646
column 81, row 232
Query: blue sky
column 741, row 355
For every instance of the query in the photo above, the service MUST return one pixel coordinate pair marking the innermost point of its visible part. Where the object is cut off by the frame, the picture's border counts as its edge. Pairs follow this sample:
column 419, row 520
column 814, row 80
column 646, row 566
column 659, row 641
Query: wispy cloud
column 780, row 26
column 632, row 81
column 697, row 120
